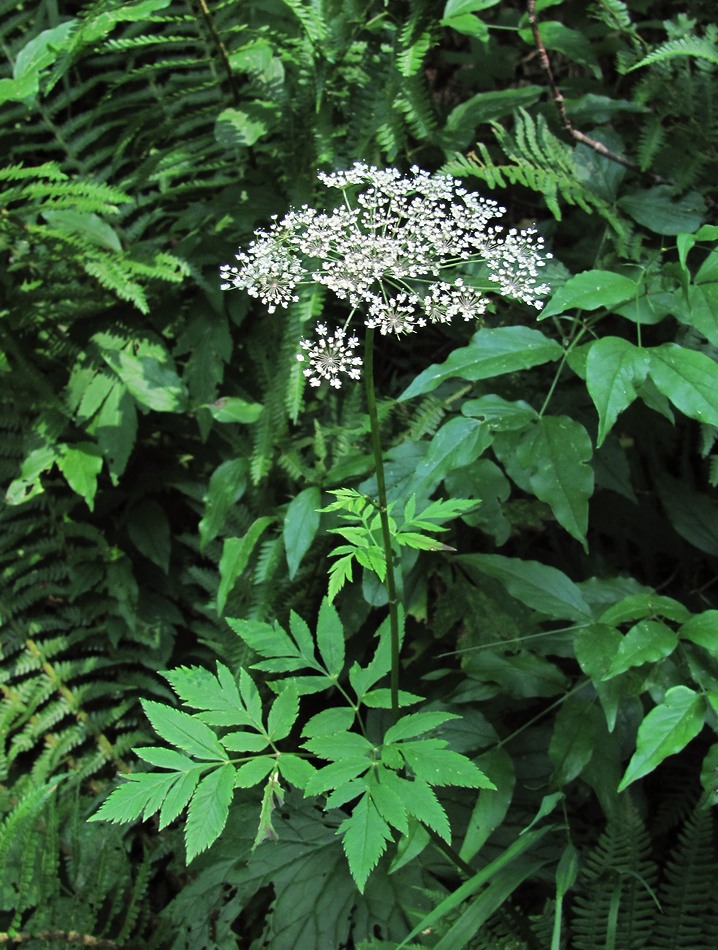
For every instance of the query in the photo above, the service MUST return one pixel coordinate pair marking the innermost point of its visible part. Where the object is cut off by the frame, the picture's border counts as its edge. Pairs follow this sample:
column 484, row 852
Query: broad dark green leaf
column 300, row 526
column 149, row 530
column 657, row 209
column 614, row 368
column 703, row 630
column 226, row 487
column 153, row 382
column 243, row 127
column 474, row 884
column 492, row 352
column 578, row 725
column 539, row 586
column 492, row 804
column 589, row 291
column 555, row 454
column 688, row 378
column 647, row 642
column 667, row 729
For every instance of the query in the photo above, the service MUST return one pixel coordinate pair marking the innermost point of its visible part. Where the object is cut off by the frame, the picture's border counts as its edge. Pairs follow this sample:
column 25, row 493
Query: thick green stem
column 384, row 516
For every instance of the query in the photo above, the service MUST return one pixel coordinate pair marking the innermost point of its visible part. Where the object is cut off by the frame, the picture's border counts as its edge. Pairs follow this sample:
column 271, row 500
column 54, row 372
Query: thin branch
column 560, row 102
column 221, row 49
column 68, row 936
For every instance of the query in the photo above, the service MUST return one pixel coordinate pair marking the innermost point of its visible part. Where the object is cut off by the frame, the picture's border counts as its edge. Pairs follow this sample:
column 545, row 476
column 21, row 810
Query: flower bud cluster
column 385, row 251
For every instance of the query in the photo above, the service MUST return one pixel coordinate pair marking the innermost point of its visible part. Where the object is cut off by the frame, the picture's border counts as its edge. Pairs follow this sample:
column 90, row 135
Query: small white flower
column 330, row 357
column 397, row 315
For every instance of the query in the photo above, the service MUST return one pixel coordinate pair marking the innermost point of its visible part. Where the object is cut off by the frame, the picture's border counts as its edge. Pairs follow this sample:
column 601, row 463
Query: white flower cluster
column 376, row 250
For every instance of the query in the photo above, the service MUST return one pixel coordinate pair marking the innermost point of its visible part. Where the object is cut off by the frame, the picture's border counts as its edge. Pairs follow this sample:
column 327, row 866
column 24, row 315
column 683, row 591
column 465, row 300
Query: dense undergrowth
column 164, row 461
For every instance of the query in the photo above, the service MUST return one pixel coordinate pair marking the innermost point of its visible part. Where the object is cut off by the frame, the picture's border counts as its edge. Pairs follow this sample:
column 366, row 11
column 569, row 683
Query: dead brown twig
column 560, row 103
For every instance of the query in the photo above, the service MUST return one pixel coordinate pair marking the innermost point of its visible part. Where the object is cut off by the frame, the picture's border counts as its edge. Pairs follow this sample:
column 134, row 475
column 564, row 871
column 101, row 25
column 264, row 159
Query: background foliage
column 163, row 464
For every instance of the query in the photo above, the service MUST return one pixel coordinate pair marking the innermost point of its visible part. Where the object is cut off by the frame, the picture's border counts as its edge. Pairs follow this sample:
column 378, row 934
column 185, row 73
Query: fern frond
column 694, row 46
column 614, row 13
column 615, row 905
column 689, row 917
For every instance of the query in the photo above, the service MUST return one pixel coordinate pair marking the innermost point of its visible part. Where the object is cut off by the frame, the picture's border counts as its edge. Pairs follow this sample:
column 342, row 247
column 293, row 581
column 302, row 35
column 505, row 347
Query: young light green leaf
column 250, row 697
column 614, row 370
column 420, row 542
column 254, row 771
column 283, row 713
column 539, row 586
column 589, row 291
column 365, row 835
column 302, row 637
column 647, row 642
column 295, row 770
column 415, row 724
column 269, row 640
column 339, row 573
column 420, row 801
column 667, row 729
column 300, row 526
column 184, row 731
column 244, row 742
column 688, row 378
column 340, row 745
column 362, row 680
column 273, row 795
column 439, row 766
column 140, row 796
column 235, row 557
column 330, row 721
column 165, row 758
column 337, row 775
column 208, row 809
column 233, row 409
column 388, row 804
column 216, row 695
column 381, row 698
column 491, row 352
column 330, row 638
column 179, row 795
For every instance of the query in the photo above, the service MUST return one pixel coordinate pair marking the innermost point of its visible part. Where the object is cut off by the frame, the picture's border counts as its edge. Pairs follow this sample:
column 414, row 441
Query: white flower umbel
column 386, row 251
